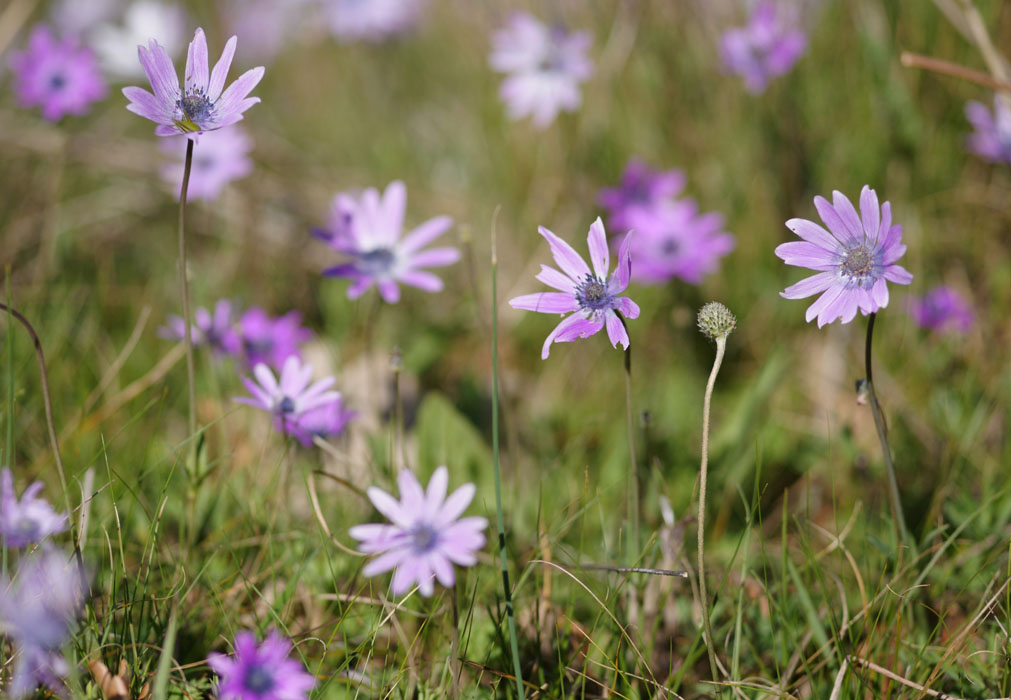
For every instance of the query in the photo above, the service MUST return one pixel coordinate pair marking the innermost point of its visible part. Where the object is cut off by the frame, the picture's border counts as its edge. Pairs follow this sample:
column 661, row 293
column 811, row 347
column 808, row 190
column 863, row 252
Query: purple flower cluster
column 545, row 66
column 57, row 75
column 367, row 231
column 28, row 521
column 672, row 239
column 942, row 310
column 992, row 136
column 592, row 296
column 767, row 47
column 260, row 671
column 855, row 258
column 425, row 535
column 37, row 610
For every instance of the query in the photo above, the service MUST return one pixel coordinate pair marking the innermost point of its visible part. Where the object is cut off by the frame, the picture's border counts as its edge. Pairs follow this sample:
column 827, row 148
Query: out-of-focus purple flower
column 375, row 20
column 269, row 340
column 992, row 138
column 855, row 258
column 116, row 42
column 37, row 609
column 286, row 400
column 260, row 671
column 203, row 104
column 674, row 240
column 545, row 66
column 768, row 47
column 56, row 75
column 209, row 330
column 642, row 190
column 942, row 310
column 593, row 296
column 425, row 536
column 29, row 520
column 76, row 18
column 267, row 26
column 223, row 156
column 367, row 229
column 326, row 421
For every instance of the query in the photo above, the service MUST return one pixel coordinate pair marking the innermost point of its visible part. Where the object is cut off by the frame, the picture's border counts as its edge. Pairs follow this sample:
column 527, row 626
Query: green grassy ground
column 807, row 574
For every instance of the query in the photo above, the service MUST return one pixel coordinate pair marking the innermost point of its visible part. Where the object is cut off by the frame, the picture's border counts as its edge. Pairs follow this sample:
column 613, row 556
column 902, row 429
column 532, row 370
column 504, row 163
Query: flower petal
column 571, row 328
column 425, row 233
column 616, row 332
column 220, row 72
column 196, row 63
column 567, row 258
column 813, row 233
column 553, row 278
column 848, row 213
column 804, row 254
column 599, row 254
column 810, row 285
column 870, row 212
column 545, row 302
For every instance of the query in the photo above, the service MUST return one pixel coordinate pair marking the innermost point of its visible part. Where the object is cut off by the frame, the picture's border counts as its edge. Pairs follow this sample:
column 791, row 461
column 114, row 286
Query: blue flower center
column 592, row 294
column 286, row 406
column 670, row 247
column 259, row 680
column 424, row 538
column 197, row 108
column 257, row 346
column 57, row 81
column 27, row 528
column 375, row 262
column 858, row 262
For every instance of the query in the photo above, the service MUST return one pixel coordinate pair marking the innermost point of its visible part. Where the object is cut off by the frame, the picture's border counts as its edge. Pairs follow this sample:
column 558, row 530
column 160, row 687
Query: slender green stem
column 514, row 646
column 635, row 483
column 879, row 424
column 721, row 346
column 454, row 656
column 184, row 291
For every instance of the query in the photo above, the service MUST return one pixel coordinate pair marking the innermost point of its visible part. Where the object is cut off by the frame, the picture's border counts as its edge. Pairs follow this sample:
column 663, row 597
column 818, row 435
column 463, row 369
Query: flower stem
column 879, row 424
column 454, row 656
column 514, row 646
column 721, row 346
column 634, row 484
column 184, row 291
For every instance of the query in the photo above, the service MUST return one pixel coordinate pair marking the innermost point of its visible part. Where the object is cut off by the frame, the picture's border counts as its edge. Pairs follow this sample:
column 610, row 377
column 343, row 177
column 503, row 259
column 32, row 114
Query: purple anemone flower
column 768, row 47
column 209, row 330
column 674, row 240
column 203, row 104
column 269, row 340
column 326, row 421
column 37, row 610
column 992, row 136
column 375, row 20
column 855, row 258
column 425, row 536
column 29, row 520
column 593, row 296
column 260, row 671
column 545, row 66
column 287, row 398
column 642, row 190
column 367, row 230
column 942, row 310
column 223, row 156
column 56, row 75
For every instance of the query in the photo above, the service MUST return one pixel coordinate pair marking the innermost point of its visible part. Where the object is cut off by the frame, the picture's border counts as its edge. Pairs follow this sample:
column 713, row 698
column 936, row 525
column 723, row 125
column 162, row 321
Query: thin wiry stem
column 48, row 405
column 879, row 424
column 184, row 291
column 511, row 621
column 721, row 346
column 635, row 483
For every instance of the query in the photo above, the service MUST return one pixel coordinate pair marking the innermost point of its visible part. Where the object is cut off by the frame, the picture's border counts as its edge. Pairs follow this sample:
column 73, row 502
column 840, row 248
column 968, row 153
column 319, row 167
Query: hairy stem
column 184, row 291
column 879, row 424
column 514, row 646
column 721, row 346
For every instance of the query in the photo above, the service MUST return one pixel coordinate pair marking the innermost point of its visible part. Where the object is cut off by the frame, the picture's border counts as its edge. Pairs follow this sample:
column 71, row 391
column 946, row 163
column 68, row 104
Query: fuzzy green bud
column 716, row 321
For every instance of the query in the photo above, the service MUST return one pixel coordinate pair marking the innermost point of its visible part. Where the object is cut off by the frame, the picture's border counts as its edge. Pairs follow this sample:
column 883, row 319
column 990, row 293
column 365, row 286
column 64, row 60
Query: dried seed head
column 716, row 321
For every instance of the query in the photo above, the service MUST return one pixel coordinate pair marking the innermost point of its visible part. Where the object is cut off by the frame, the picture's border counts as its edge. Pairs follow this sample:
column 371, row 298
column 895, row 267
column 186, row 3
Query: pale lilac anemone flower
column 29, row 520
column 426, row 535
column 641, row 191
column 592, row 296
column 37, row 610
column 768, row 47
column 371, row 20
column 212, row 330
column 203, row 104
column 290, row 396
column 56, row 75
column 367, row 230
column 855, row 258
column 675, row 240
column 992, row 136
column 223, row 156
column 260, row 671
column 544, row 65
column 326, row 421
column 271, row 340
column 942, row 310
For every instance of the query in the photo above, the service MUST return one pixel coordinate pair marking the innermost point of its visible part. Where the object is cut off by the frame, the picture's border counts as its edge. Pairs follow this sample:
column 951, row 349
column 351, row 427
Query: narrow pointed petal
column 848, row 213
column 394, row 205
column 545, row 302
column 810, row 285
column 813, row 233
column 870, row 212
column 616, row 332
column 624, row 271
column 628, row 308
column 425, row 233
column 600, row 256
column 220, row 72
column 196, row 63
column 553, row 278
column 235, row 93
column 565, row 255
